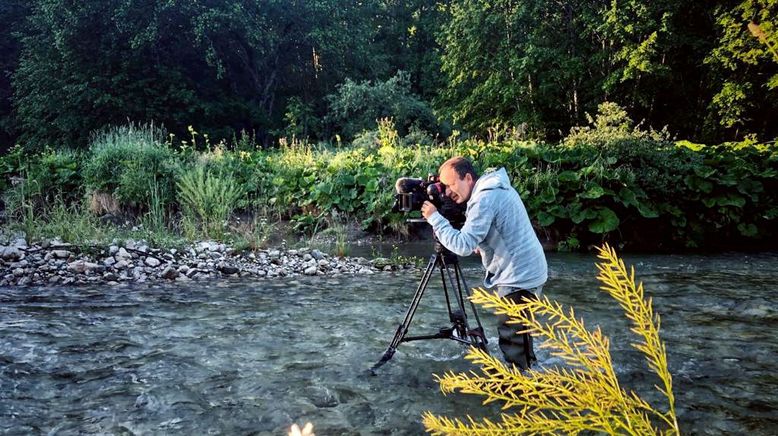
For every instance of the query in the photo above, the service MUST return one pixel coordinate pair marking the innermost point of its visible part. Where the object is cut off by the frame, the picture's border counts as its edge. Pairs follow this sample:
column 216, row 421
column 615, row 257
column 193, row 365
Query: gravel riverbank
column 54, row 263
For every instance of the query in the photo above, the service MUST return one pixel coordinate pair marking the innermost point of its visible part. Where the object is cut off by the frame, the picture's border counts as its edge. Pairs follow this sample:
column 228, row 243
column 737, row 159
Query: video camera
column 412, row 192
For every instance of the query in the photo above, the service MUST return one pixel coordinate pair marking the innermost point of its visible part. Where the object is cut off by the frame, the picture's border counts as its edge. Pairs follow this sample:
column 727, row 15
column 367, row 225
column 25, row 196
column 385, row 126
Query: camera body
column 411, row 193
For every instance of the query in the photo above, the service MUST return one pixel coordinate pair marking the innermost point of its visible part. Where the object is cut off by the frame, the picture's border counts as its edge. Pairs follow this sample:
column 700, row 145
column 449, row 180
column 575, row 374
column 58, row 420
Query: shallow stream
column 253, row 357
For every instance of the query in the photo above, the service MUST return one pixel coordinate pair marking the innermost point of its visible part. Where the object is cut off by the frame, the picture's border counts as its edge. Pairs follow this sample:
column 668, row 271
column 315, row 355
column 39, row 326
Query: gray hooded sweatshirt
column 497, row 223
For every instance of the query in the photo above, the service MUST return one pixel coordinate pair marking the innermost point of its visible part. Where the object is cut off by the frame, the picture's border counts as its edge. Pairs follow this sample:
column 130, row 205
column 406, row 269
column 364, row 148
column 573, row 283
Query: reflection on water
column 253, row 357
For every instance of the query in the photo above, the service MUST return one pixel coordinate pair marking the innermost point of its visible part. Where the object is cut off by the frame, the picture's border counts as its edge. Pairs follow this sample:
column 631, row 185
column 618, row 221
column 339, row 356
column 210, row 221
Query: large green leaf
column 548, row 195
column 569, row 176
column 578, row 215
column 646, row 211
column 371, row 185
column 605, row 221
column 704, row 171
column 748, row 229
column 731, row 200
column 750, row 187
column 698, row 183
column 592, row 190
column 545, row 219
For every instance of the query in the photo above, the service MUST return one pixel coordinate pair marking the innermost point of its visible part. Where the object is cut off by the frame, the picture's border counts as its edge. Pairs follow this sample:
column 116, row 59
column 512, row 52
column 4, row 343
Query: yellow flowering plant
column 585, row 394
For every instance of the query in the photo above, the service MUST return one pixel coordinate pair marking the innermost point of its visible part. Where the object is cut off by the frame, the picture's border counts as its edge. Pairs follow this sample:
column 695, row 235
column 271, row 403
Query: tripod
column 444, row 260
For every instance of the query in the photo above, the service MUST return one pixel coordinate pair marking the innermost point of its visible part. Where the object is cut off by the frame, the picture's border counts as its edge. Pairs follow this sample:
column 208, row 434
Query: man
column 498, row 228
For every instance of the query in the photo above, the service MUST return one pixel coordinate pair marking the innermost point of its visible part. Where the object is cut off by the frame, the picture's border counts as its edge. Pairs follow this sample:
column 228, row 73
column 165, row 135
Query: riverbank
column 53, row 263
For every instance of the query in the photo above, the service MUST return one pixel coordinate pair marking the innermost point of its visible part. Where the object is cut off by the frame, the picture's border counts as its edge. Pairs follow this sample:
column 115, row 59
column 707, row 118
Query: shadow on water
column 252, row 357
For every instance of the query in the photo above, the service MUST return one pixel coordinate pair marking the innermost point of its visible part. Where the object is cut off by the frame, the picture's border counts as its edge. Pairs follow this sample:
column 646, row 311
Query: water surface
column 252, row 357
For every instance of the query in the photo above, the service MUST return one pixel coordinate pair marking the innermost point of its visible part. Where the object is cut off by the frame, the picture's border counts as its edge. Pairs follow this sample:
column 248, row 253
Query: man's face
column 456, row 189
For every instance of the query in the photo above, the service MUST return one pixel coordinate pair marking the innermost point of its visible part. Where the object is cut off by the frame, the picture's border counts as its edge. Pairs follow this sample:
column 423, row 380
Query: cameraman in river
column 498, row 228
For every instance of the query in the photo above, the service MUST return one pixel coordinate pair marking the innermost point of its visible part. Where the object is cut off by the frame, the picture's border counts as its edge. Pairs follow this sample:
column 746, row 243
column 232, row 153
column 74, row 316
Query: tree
column 89, row 64
column 654, row 54
column 747, row 87
column 223, row 66
column 357, row 107
column 512, row 62
column 12, row 15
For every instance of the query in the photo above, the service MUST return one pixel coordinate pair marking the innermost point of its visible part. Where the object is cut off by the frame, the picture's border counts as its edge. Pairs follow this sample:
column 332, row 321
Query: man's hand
column 427, row 209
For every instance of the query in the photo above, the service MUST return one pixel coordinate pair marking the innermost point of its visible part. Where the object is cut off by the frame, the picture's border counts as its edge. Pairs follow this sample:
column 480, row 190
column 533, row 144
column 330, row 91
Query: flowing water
column 253, row 357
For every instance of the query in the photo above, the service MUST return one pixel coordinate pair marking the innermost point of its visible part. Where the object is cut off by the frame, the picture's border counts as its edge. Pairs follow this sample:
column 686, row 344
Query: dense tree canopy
column 272, row 67
column 747, row 81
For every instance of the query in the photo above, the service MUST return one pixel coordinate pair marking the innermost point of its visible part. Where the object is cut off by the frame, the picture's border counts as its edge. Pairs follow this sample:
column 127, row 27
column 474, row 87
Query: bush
column 356, row 107
column 300, row 118
column 34, row 183
column 611, row 125
column 128, row 161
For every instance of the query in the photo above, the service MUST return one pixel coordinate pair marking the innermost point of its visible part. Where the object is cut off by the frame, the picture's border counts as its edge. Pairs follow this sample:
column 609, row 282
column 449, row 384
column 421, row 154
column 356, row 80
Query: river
column 253, row 357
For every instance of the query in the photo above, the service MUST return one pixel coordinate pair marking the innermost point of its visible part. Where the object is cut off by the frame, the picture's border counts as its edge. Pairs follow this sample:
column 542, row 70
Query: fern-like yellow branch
column 622, row 287
column 582, row 396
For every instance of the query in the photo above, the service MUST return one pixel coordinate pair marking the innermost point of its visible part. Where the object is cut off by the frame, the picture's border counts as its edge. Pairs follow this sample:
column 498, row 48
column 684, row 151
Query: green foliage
column 223, row 66
column 123, row 161
column 610, row 126
column 70, row 222
column 20, row 208
column 207, row 201
column 12, row 14
column 607, row 182
column 356, row 107
column 316, row 69
column 34, row 182
column 747, row 86
column 155, row 220
column 519, row 64
column 301, row 121
column 642, row 37
column 253, row 234
column 51, row 174
column 583, row 396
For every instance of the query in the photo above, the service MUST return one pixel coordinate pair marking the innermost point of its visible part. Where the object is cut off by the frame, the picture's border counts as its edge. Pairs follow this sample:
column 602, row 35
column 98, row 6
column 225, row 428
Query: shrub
column 37, row 182
column 300, row 118
column 128, row 161
column 611, row 125
column 356, row 107
column 49, row 174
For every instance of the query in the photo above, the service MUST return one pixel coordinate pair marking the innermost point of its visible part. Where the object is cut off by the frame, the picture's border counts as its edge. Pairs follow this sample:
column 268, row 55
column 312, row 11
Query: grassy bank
column 606, row 182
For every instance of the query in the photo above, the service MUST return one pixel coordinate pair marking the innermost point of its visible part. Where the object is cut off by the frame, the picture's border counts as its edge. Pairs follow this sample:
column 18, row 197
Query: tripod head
column 448, row 256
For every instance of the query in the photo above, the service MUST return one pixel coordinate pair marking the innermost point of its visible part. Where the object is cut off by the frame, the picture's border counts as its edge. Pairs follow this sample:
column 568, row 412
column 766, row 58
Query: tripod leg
column 468, row 294
column 402, row 329
column 476, row 336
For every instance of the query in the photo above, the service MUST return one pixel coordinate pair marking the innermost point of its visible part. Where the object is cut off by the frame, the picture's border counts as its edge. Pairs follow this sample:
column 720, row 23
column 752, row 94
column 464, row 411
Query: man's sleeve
column 462, row 242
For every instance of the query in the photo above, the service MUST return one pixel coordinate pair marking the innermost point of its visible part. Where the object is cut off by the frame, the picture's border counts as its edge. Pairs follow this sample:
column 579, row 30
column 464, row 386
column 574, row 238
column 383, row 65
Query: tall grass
column 20, row 208
column 207, row 201
column 73, row 223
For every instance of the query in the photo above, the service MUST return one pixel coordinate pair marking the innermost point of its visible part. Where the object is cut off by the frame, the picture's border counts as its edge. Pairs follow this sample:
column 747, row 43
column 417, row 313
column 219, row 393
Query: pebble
column 136, row 261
